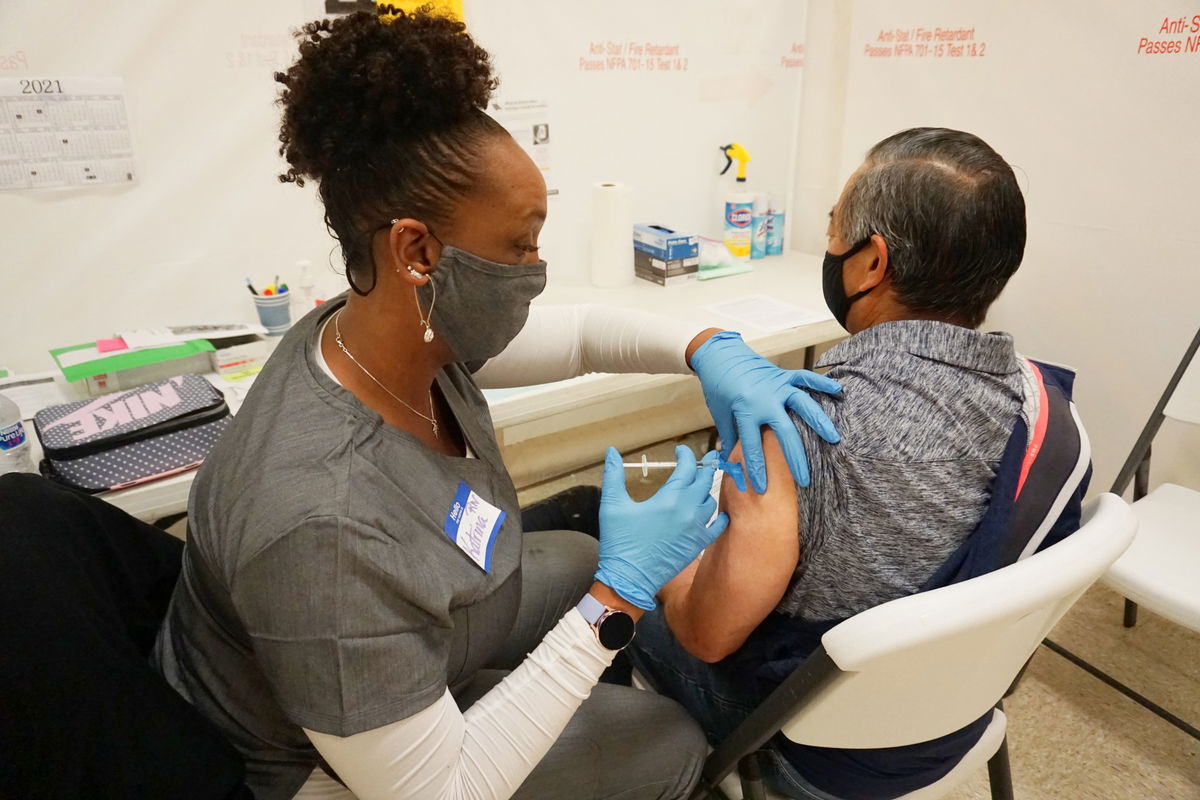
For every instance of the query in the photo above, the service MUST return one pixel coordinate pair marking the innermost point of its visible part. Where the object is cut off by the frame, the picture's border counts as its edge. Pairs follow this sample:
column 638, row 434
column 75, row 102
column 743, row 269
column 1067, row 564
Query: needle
column 645, row 465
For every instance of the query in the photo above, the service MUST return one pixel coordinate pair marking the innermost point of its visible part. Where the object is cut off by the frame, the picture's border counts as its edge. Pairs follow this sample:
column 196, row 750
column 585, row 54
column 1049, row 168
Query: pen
column 250, row 286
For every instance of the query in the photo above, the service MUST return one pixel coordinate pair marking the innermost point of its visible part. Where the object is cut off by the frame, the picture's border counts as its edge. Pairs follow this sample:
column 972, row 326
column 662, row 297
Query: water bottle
column 304, row 295
column 14, row 445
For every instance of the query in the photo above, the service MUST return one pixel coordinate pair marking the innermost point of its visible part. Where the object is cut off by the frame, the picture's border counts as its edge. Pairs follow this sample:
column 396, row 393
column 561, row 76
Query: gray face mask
column 481, row 305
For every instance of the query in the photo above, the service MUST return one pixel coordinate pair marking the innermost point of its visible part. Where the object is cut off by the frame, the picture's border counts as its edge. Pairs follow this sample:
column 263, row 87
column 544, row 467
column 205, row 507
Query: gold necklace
column 337, row 329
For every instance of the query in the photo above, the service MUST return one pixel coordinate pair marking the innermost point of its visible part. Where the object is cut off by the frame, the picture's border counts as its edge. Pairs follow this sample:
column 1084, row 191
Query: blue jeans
column 719, row 696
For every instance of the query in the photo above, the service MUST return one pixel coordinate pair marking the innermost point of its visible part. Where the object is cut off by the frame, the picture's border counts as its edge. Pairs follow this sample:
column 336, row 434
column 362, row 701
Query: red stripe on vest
column 1039, row 430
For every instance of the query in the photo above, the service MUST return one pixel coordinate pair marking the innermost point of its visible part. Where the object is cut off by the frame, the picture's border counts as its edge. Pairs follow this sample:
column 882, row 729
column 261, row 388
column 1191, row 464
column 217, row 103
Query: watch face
column 616, row 630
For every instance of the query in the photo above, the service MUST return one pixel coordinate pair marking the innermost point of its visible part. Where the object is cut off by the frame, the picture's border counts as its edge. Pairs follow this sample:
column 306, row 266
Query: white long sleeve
column 485, row 754
column 560, row 342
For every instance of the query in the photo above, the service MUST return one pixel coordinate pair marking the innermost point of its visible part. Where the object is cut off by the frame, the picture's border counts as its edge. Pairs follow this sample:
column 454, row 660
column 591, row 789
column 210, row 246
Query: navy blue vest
column 1035, row 502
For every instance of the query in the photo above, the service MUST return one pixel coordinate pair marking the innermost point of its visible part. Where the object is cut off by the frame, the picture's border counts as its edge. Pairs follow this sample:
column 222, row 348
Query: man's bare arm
column 714, row 605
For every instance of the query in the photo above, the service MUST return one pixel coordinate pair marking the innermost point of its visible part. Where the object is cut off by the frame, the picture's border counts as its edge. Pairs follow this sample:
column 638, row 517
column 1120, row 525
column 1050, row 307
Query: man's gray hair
column 952, row 215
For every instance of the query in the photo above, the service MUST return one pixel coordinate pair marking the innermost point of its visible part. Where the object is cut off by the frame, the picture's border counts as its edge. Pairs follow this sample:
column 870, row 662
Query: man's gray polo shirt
column 925, row 412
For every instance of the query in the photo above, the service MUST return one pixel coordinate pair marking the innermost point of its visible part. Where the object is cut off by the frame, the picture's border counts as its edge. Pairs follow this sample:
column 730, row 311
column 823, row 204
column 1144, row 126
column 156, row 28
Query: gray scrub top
column 319, row 589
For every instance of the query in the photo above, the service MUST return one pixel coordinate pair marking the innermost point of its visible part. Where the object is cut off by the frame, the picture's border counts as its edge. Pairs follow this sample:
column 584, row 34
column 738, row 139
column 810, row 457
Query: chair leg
column 751, row 775
column 1130, row 613
column 1000, row 773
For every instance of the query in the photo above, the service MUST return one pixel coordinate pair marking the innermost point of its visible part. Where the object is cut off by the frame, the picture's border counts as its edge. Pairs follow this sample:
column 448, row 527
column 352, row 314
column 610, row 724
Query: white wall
column 208, row 211
column 1103, row 141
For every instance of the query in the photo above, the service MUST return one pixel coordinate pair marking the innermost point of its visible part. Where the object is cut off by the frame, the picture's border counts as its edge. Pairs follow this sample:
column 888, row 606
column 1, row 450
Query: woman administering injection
column 356, row 586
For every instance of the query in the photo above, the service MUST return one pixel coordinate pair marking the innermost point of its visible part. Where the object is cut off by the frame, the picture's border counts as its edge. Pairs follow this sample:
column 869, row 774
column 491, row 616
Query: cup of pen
column 274, row 310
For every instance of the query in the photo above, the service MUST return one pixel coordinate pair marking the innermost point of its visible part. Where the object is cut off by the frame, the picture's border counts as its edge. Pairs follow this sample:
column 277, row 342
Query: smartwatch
column 614, row 629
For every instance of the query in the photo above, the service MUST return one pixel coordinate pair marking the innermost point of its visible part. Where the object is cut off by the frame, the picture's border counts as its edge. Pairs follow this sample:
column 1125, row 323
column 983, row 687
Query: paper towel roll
column 612, row 235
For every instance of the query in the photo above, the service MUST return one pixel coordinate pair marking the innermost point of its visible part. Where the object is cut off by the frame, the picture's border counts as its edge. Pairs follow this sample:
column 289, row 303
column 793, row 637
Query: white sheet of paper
column 766, row 313
column 80, row 356
column 60, row 133
column 147, row 337
column 33, row 392
column 173, row 334
column 528, row 121
column 235, row 387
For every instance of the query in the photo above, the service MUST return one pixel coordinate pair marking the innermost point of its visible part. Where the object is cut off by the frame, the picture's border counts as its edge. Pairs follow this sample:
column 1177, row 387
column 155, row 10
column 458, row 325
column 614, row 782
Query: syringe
column 733, row 469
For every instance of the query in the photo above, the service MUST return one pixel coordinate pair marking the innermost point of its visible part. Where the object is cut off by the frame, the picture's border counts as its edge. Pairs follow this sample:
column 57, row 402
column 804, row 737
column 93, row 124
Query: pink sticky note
column 109, row 345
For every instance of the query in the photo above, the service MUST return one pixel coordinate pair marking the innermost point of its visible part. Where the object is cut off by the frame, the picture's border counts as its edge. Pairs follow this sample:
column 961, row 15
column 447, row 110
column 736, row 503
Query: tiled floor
column 1070, row 736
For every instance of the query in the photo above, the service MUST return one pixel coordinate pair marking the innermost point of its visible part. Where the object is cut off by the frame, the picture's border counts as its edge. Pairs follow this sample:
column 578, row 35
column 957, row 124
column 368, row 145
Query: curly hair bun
column 365, row 81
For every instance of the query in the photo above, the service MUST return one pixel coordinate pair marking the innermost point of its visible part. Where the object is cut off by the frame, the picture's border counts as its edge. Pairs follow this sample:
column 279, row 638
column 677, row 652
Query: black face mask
column 833, row 285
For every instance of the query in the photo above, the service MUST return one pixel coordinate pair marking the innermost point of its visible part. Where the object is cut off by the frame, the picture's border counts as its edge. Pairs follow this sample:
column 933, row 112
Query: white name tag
column 473, row 524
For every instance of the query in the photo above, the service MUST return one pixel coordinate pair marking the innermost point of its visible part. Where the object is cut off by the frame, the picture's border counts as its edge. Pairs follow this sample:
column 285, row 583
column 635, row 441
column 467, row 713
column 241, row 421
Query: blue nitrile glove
column 745, row 391
column 644, row 545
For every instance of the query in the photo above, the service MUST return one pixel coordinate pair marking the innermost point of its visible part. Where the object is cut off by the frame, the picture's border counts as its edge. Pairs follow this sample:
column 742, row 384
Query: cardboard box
column 665, row 273
column 664, row 243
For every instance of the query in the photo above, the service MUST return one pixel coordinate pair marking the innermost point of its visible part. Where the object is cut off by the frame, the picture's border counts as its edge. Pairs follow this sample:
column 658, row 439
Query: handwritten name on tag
column 473, row 524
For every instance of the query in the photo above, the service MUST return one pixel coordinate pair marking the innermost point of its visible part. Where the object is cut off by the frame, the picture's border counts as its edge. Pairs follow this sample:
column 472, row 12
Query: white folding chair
column 925, row 665
column 1159, row 570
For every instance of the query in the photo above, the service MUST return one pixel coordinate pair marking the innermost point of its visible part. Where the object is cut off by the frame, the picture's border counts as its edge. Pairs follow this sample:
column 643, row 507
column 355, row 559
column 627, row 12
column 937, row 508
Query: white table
column 549, row 430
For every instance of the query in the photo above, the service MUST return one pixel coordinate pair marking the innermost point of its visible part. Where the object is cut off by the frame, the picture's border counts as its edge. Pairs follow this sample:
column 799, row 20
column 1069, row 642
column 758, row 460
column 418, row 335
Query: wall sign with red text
column 926, row 42
column 1172, row 36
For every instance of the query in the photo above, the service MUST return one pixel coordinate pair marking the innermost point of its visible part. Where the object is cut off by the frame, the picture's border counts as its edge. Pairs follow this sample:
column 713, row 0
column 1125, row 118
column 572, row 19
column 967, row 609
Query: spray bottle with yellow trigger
column 739, row 204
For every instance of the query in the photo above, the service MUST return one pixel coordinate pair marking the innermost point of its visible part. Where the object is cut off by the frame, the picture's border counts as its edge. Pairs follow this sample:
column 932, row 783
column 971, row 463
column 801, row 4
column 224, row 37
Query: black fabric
column 84, row 587
column 574, row 509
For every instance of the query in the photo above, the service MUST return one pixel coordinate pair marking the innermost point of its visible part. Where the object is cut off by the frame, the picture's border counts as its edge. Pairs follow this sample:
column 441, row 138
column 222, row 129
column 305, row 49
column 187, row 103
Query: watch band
column 614, row 629
column 591, row 609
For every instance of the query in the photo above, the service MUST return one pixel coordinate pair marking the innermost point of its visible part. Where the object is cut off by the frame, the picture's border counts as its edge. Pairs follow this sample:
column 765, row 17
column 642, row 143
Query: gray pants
column 622, row 743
